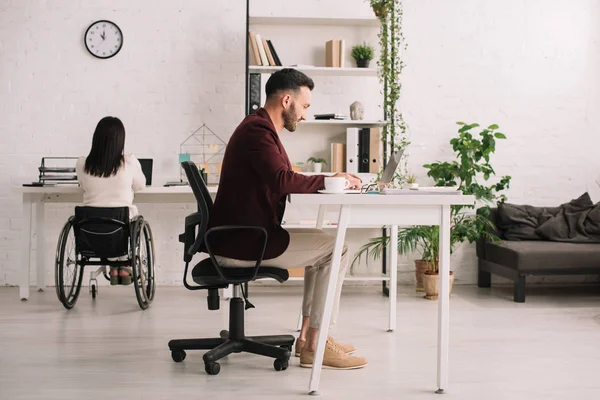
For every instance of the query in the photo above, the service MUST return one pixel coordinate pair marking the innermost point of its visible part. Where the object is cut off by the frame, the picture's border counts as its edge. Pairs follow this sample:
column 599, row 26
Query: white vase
column 317, row 167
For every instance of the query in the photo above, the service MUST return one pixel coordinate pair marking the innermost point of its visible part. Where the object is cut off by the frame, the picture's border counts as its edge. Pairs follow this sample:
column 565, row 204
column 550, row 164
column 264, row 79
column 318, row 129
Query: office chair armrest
column 219, row 269
column 191, row 243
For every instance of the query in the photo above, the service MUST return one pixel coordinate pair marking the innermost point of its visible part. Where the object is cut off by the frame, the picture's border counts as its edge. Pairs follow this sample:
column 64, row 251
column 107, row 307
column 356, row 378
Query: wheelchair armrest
column 221, row 271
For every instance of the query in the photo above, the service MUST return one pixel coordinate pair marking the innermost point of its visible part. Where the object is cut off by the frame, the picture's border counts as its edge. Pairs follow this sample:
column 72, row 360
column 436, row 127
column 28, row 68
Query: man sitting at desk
column 256, row 178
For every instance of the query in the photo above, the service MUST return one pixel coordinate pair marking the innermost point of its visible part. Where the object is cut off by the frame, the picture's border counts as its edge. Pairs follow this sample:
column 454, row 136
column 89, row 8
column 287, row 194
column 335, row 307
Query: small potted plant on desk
column 317, row 163
column 363, row 54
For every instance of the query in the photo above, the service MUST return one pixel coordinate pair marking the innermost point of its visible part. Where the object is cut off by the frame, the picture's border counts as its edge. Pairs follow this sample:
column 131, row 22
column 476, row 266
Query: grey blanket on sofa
column 577, row 221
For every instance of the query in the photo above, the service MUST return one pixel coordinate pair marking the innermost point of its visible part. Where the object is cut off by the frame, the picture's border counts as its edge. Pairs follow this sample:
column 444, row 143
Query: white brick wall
column 530, row 66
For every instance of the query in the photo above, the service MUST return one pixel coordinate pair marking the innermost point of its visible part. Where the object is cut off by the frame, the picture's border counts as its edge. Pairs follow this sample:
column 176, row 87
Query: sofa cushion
column 543, row 256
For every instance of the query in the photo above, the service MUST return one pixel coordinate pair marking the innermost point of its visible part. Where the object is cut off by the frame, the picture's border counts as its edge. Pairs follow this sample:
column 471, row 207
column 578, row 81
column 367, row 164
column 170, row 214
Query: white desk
column 369, row 210
column 34, row 198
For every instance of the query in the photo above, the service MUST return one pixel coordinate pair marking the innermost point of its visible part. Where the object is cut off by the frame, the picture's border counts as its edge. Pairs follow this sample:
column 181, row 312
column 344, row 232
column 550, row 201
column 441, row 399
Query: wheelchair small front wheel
column 68, row 272
column 142, row 245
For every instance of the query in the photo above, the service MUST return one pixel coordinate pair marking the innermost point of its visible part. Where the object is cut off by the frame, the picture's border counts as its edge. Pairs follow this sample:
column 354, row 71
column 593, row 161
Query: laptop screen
column 146, row 164
column 392, row 165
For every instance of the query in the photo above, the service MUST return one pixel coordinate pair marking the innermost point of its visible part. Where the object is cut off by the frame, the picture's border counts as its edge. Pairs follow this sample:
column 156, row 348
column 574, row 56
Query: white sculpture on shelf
column 357, row 111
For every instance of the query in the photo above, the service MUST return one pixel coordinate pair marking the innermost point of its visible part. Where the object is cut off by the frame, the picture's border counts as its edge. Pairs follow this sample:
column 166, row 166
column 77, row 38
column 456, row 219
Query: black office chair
column 209, row 275
column 90, row 238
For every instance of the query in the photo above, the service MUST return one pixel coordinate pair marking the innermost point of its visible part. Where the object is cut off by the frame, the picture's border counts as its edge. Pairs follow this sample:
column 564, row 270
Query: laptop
column 146, row 164
column 391, row 166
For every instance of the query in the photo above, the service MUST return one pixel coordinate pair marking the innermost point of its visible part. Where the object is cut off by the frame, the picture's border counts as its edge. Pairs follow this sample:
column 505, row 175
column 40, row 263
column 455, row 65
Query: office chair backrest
column 197, row 184
column 102, row 231
column 203, row 200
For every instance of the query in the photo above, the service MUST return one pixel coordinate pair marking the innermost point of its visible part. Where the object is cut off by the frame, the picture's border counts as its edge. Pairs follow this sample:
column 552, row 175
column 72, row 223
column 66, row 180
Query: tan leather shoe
column 346, row 348
column 334, row 358
column 299, row 346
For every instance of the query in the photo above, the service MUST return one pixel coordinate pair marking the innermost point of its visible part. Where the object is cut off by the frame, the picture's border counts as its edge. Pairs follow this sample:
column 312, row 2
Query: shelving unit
column 317, row 71
column 328, row 25
column 341, row 123
column 272, row 20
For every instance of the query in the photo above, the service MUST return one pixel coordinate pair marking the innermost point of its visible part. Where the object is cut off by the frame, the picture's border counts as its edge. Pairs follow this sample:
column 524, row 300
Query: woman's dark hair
column 106, row 155
column 287, row 79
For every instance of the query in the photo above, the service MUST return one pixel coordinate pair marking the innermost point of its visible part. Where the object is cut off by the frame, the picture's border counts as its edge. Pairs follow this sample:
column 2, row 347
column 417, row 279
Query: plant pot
column 420, row 268
column 430, row 284
column 317, row 167
column 363, row 63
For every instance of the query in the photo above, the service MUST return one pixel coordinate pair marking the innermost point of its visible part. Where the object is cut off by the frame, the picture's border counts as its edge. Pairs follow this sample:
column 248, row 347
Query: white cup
column 336, row 184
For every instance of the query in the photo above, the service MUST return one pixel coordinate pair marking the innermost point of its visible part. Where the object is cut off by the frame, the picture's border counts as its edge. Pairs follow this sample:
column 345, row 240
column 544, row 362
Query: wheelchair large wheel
column 68, row 271
column 142, row 255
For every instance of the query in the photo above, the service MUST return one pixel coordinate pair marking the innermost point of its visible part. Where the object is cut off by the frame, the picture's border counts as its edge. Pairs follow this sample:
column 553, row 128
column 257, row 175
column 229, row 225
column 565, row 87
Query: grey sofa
column 517, row 259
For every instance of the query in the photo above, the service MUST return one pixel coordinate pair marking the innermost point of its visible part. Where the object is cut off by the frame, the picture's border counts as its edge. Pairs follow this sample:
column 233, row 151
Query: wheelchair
column 90, row 238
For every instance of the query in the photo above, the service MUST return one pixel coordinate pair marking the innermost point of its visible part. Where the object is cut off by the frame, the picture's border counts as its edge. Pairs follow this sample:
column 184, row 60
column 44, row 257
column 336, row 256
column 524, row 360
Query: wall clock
column 103, row 39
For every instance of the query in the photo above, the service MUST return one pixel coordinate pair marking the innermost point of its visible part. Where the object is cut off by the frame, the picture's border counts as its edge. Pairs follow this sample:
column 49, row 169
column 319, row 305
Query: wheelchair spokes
column 143, row 264
column 68, row 273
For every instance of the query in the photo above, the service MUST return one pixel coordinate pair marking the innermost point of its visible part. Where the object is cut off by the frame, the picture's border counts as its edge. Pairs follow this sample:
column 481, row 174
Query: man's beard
column 290, row 120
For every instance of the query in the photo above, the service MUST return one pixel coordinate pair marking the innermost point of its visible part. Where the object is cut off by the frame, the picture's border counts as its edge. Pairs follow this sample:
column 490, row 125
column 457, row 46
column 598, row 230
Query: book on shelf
column 263, row 51
column 338, row 157
column 268, row 51
column 335, row 53
column 254, row 47
column 274, row 53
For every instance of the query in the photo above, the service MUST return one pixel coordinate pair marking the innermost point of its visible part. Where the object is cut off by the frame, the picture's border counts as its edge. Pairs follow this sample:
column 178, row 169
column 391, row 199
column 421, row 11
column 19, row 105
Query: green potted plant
column 411, row 181
column 469, row 172
column 317, row 163
column 363, row 54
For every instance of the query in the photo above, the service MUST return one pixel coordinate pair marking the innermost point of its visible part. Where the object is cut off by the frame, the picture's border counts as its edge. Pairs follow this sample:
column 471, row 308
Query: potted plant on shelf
column 363, row 54
column 317, row 163
column 471, row 165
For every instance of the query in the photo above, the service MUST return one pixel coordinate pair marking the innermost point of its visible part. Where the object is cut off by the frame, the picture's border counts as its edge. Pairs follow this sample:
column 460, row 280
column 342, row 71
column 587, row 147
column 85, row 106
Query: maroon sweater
column 256, row 177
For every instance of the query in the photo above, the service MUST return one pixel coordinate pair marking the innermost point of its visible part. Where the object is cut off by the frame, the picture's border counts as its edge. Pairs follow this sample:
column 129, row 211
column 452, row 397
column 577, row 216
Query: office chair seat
column 204, row 273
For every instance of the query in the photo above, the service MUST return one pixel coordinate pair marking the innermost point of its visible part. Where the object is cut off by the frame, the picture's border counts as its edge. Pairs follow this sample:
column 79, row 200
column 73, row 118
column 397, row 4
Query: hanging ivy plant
column 390, row 66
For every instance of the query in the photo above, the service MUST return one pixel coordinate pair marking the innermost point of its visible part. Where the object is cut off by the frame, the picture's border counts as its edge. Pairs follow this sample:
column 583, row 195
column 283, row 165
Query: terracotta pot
column 431, row 282
column 420, row 268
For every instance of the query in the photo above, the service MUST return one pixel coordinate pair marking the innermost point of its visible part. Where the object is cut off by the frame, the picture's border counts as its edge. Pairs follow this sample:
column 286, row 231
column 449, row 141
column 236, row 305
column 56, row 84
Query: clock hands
column 103, row 36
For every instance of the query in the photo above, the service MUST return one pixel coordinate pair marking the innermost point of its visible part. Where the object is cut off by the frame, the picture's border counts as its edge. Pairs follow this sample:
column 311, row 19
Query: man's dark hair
column 106, row 155
column 287, row 79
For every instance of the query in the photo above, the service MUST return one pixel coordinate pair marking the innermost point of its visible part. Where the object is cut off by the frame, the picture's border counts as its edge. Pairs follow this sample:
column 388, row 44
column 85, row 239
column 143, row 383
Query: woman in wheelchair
column 107, row 230
column 109, row 178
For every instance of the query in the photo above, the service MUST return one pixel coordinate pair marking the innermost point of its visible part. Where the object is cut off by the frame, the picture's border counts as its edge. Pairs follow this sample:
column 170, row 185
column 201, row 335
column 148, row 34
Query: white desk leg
column 393, row 268
column 321, row 216
column 25, row 247
column 444, row 301
column 41, row 254
column 315, row 375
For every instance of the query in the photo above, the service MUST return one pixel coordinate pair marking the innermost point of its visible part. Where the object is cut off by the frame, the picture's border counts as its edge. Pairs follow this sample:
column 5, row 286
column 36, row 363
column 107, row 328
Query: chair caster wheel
column 280, row 365
column 212, row 368
column 94, row 291
column 178, row 355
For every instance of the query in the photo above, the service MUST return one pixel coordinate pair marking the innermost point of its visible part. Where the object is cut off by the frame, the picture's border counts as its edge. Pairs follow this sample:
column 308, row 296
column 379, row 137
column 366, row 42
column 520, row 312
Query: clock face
column 103, row 39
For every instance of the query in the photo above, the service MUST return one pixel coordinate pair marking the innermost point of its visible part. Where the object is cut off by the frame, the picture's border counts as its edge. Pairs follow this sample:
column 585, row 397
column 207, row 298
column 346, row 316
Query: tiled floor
column 547, row 348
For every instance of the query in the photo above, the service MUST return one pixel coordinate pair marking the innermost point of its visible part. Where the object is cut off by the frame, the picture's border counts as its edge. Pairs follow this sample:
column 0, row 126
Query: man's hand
column 355, row 181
